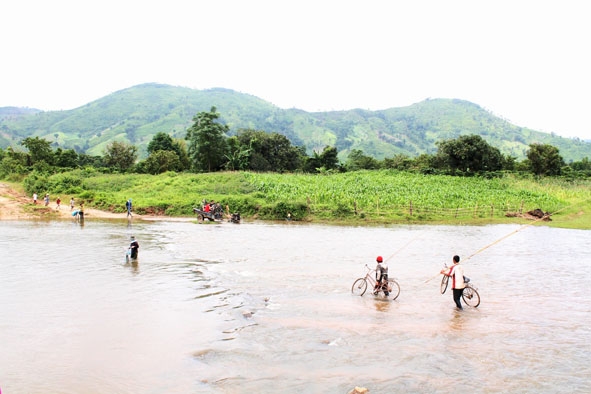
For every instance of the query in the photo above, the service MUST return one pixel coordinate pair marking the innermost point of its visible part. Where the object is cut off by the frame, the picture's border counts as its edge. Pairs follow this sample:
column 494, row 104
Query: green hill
column 137, row 113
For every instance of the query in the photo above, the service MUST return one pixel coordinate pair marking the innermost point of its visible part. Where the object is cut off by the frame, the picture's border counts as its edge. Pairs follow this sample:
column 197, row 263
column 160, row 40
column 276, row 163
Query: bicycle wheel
column 394, row 289
column 471, row 296
column 359, row 287
column 444, row 282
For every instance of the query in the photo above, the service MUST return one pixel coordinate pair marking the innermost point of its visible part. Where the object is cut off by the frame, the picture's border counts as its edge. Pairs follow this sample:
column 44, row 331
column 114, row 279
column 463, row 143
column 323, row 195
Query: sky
column 525, row 61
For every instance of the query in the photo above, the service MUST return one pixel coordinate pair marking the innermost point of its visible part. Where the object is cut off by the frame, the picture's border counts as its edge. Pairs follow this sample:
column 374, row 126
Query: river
column 267, row 308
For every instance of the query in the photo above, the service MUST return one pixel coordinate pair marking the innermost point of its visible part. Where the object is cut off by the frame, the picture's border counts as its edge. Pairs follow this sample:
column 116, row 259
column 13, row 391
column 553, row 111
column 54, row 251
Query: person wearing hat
column 381, row 276
column 134, row 246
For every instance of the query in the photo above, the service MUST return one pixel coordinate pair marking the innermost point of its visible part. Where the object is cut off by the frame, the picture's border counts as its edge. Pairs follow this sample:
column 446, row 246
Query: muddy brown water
column 267, row 308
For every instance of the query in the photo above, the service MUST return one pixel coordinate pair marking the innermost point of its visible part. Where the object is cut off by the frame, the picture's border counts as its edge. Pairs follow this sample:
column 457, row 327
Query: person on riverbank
column 381, row 276
column 72, row 204
column 456, row 272
column 128, row 206
column 46, row 199
column 34, row 198
column 58, row 201
column 134, row 247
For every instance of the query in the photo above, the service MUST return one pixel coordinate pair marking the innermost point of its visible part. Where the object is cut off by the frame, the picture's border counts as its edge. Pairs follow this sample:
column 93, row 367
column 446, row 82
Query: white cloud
column 525, row 61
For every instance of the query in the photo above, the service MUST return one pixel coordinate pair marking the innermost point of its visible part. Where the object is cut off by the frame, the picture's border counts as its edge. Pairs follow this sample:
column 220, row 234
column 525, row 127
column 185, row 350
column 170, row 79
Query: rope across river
column 502, row 238
column 403, row 246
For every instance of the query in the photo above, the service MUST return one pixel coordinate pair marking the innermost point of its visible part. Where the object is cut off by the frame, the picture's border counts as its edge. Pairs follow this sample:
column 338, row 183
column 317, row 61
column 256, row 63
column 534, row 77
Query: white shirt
column 457, row 274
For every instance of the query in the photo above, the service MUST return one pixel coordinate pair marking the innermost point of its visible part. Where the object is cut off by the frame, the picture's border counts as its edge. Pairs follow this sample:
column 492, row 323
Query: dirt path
column 16, row 206
column 11, row 204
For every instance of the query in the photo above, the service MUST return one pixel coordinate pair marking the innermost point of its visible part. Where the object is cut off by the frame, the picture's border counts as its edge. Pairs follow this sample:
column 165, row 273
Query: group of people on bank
column 58, row 204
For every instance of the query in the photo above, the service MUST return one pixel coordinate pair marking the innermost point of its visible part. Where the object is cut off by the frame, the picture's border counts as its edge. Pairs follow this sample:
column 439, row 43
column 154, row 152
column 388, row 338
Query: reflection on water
column 134, row 266
column 268, row 308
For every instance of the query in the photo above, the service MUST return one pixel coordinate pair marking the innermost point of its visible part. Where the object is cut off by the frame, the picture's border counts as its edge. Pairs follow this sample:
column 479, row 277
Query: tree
column 398, row 162
column 238, row 154
column 470, row 154
column 85, row 160
column 21, row 157
column 544, row 159
column 39, row 150
column 207, row 143
column 269, row 151
column 329, row 158
column 164, row 142
column 66, row 158
column 12, row 164
column 359, row 161
column 509, row 163
column 583, row 165
column 161, row 161
column 180, row 147
column 161, row 141
column 120, row 155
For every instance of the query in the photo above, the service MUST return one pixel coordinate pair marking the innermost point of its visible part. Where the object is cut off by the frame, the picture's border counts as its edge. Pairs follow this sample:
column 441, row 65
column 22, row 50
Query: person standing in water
column 381, row 276
column 134, row 246
column 81, row 212
column 456, row 272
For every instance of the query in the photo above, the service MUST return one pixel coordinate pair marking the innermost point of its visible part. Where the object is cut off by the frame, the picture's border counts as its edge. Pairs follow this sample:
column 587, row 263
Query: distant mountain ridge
column 137, row 113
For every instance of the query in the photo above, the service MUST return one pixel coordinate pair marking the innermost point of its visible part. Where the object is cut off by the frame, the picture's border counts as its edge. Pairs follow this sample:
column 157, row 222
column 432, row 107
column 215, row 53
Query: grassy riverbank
column 364, row 197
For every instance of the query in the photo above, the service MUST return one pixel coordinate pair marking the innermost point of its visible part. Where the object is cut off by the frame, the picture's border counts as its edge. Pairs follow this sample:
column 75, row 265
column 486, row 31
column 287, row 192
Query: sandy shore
column 16, row 206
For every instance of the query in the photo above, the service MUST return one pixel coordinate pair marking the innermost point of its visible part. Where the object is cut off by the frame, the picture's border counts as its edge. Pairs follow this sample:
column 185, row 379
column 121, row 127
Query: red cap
column 379, row 259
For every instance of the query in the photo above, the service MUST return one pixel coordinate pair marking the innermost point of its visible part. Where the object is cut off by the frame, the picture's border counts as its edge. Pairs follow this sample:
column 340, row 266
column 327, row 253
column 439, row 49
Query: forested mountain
column 136, row 114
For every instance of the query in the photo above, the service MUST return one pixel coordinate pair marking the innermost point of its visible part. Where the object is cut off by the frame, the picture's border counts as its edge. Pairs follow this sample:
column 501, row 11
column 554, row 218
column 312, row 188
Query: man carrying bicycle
column 381, row 276
column 456, row 272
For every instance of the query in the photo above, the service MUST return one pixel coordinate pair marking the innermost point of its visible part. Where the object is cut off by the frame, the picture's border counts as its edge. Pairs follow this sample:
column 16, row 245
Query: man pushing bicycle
column 381, row 276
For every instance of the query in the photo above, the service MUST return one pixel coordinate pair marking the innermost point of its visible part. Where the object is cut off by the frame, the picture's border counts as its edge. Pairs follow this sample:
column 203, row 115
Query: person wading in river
column 134, row 246
column 381, row 276
column 456, row 272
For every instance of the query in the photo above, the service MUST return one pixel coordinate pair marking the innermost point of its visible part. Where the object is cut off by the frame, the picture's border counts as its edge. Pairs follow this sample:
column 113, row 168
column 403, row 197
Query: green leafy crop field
column 363, row 197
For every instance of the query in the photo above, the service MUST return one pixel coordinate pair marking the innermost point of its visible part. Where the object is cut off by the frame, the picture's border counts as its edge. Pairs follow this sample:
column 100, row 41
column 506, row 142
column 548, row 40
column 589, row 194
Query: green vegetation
column 465, row 180
column 363, row 197
column 210, row 150
column 135, row 115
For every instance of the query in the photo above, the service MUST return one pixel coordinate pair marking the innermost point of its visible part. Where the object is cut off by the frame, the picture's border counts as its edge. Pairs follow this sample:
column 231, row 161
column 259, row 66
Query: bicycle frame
column 370, row 276
column 470, row 295
column 360, row 285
